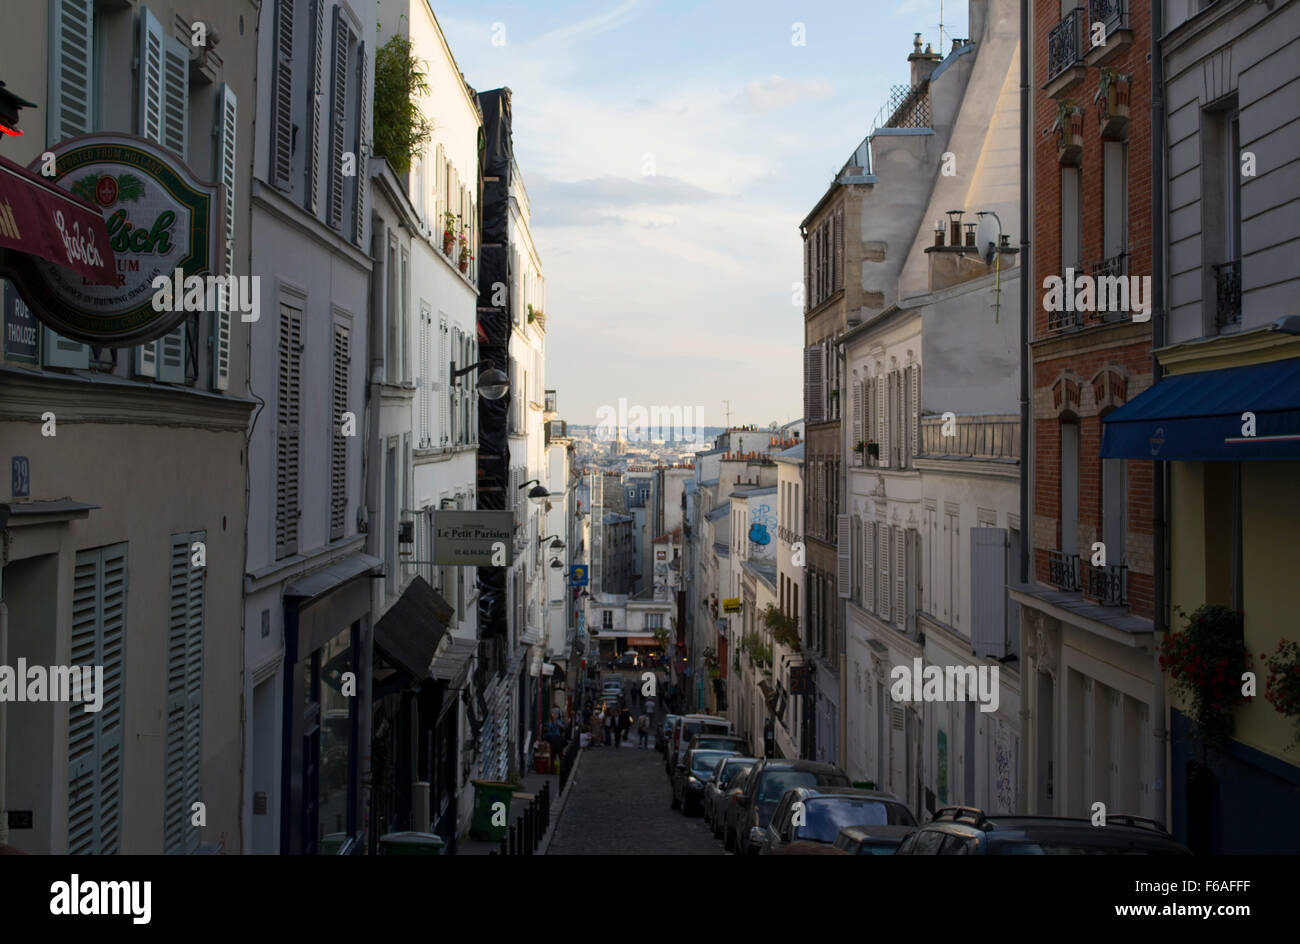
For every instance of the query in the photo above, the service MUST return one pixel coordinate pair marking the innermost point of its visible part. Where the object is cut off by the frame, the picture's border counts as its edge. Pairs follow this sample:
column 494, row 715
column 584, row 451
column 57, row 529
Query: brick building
column 1087, row 611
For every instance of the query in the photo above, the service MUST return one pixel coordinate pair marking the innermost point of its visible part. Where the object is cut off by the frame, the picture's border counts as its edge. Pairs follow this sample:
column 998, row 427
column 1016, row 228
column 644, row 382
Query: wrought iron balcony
column 1063, row 571
column 1112, row 13
column 1114, row 267
column 1108, row 585
column 1061, row 320
column 1227, row 279
column 1064, row 43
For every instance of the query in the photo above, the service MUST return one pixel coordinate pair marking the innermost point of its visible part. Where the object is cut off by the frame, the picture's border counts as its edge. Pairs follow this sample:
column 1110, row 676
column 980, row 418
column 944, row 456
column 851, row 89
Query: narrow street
column 620, row 806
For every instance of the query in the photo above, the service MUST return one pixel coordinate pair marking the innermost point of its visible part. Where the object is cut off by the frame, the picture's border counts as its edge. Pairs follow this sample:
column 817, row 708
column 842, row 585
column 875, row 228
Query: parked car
column 768, row 781
column 827, row 810
column 964, row 830
column 685, row 728
column 716, row 789
column 691, row 776
column 871, row 840
column 730, row 811
column 718, row 742
column 663, row 732
column 628, row 660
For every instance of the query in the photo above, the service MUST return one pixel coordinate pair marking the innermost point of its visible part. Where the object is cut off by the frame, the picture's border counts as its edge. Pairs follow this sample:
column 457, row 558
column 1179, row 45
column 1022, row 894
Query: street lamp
column 538, row 492
column 492, row 384
column 556, row 545
column 556, row 564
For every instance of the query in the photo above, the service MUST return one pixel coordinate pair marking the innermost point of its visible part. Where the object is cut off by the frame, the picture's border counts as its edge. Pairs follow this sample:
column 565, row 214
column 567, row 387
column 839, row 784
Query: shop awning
column 1208, row 416
column 40, row 218
column 642, row 641
column 409, row 633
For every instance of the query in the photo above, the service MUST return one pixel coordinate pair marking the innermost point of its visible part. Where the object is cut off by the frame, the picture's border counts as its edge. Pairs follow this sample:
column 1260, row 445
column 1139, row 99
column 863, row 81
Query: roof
column 709, row 483
column 749, row 492
column 762, row 570
column 674, row 535
column 719, row 512
column 721, row 549
column 793, row 454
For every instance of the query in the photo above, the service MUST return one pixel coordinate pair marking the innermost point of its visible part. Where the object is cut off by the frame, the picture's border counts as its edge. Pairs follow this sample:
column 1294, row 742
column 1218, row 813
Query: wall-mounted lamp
column 556, row 564
column 538, row 492
column 492, row 384
column 556, row 545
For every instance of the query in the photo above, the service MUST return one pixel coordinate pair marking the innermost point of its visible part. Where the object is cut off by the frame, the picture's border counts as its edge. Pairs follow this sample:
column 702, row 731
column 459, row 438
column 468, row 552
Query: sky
column 669, row 151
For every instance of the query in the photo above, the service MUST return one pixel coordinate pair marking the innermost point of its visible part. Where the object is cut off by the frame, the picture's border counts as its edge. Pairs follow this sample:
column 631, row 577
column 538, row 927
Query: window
column 1070, row 217
column 184, row 742
column 606, row 619
column 95, row 737
column 1113, row 513
column 392, row 318
column 654, row 621
column 1115, row 206
column 1069, row 489
column 1221, row 214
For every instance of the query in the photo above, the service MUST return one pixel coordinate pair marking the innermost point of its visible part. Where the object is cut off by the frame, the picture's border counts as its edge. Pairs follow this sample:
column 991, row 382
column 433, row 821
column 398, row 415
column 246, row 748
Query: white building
column 790, row 593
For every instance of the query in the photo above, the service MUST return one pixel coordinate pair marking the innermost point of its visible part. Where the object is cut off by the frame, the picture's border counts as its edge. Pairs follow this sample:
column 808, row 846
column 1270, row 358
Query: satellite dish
column 986, row 237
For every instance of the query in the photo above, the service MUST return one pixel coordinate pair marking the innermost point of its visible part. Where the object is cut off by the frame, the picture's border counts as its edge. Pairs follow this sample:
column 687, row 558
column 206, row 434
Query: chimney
column 923, row 63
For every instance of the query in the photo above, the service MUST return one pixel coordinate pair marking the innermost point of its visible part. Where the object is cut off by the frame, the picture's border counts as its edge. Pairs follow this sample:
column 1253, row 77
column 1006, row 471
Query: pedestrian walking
column 643, row 729
column 624, row 724
column 598, row 733
column 610, row 723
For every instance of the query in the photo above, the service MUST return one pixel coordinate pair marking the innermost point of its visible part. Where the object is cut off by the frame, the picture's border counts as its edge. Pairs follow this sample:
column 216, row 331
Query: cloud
column 592, row 26
column 778, row 92
column 600, row 199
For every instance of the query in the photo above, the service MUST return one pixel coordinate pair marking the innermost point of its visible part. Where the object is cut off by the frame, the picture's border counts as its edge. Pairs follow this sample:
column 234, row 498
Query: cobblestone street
column 620, row 806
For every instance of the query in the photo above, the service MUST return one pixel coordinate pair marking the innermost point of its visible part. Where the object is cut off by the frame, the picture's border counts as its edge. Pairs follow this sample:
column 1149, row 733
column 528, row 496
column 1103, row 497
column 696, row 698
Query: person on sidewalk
column 610, row 723
column 598, row 728
column 624, row 723
column 643, row 729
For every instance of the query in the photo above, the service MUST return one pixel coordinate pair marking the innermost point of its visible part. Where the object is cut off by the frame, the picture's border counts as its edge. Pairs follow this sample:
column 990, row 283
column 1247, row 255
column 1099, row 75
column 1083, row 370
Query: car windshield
column 730, row 771
column 703, row 762
column 718, row 743
column 776, row 782
column 824, row 818
column 692, row 728
column 1052, row 848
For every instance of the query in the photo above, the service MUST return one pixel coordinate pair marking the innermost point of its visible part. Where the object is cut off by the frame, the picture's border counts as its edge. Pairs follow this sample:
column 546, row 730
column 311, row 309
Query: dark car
column 692, row 774
column 628, row 660
column 718, row 742
column 871, row 840
column 767, row 784
column 729, row 810
column 662, row 733
column 964, row 830
column 685, row 728
column 715, row 790
column 817, row 814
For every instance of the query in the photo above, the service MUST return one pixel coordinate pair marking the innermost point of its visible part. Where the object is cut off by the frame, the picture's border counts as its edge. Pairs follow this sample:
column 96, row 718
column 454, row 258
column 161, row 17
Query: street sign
column 473, row 538
column 578, row 575
column 731, row 605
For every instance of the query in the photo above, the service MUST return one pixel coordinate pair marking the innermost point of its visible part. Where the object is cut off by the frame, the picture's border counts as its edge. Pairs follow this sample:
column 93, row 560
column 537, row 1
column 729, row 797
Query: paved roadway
column 620, row 804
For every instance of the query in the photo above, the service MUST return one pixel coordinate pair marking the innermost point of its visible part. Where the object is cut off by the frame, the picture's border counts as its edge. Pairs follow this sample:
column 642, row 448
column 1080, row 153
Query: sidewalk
column 468, row 845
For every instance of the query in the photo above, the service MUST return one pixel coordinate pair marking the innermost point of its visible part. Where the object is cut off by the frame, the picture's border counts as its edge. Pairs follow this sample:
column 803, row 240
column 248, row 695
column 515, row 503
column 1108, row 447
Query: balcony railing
column 1063, row 571
column 1064, row 43
column 1112, row 13
column 1227, row 280
column 1114, row 267
column 1061, row 320
column 971, row 437
column 1109, row 585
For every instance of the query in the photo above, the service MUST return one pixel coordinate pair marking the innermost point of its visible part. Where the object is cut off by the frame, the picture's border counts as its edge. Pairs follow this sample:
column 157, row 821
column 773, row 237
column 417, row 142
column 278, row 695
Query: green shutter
column 71, row 74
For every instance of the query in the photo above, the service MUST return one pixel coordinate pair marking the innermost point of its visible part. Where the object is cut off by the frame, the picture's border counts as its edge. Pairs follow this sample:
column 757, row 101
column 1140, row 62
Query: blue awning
column 1201, row 417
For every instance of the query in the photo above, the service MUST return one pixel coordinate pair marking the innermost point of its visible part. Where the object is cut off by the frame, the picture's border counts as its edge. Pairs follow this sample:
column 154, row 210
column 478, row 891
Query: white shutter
column 288, row 407
column 900, row 578
column 454, row 399
column 282, row 98
column 882, row 417
column 868, row 565
column 95, row 738
column 342, row 361
column 71, row 69
column 915, row 419
column 315, row 105
column 58, row 351
column 184, row 738
column 857, row 418
column 171, row 355
column 146, row 359
column 227, row 127
column 363, row 148
column 882, row 545
column 338, row 119
column 988, row 583
column 844, row 551
column 176, row 97
column 152, row 44
column 423, row 380
column 839, row 250
column 444, row 382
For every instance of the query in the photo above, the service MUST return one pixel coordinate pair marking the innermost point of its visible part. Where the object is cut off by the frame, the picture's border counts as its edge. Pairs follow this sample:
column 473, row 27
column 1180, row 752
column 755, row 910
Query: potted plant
column 1206, row 661
column 860, row 447
column 1283, row 686
column 465, row 255
column 448, row 232
column 1069, row 131
column 400, row 128
column 873, row 449
column 1112, row 100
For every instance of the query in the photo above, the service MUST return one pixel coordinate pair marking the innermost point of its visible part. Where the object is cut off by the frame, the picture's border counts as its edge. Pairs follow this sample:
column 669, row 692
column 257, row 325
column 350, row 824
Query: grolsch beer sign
column 159, row 217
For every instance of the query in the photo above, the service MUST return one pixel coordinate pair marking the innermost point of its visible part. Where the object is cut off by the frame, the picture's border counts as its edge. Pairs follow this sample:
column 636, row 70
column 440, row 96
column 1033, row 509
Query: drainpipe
column 370, row 477
column 1159, row 492
column 842, row 603
column 1026, row 523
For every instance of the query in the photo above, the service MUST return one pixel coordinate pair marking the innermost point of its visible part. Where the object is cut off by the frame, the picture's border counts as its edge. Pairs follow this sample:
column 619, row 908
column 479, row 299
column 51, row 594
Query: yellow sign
column 731, row 605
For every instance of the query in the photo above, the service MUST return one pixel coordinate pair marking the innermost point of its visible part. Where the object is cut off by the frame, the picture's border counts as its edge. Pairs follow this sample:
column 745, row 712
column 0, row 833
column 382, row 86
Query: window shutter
column 71, row 73
column 423, row 381
column 282, row 98
column 869, row 565
column 59, row 351
column 988, row 586
column 1115, row 182
column 900, row 578
column 338, row 442
column 915, row 419
column 338, row 119
column 95, row 738
column 839, row 249
column 171, row 355
column 287, row 432
column 882, row 596
column 844, row 550
column 183, row 764
column 913, row 577
column 227, row 127
column 857, row 417
column 175, row 96
column 363, row 148
column 152, row 44
column 315, row 101
column 444, row 383
column 882, row 417
column 807, row 272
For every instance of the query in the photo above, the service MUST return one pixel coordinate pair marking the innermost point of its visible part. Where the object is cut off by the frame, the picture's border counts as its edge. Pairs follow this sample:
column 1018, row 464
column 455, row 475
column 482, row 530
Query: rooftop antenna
column 727, row 412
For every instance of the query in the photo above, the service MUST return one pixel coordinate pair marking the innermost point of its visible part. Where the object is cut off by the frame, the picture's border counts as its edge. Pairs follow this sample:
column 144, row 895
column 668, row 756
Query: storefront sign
column 39, row 221
column 159, row 218
column 731, row 605
column 473, row 538
column 22, row 330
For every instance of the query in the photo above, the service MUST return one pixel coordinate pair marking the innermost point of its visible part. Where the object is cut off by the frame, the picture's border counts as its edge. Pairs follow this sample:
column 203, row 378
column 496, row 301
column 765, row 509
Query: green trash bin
column 411, row 843
column 487, row 793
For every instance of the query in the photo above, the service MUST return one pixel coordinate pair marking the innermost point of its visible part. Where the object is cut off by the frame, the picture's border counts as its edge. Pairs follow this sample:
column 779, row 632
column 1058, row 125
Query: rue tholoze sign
column 474, row 538
column 160, row 218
